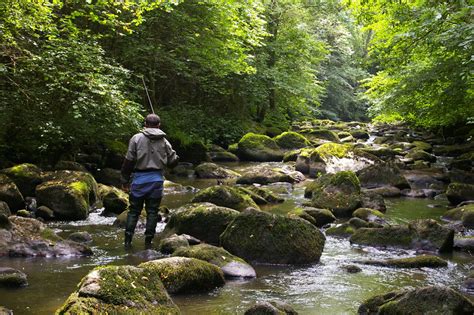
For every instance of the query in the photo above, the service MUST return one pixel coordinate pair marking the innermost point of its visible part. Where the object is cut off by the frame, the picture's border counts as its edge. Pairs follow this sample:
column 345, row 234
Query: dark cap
column 152, row 120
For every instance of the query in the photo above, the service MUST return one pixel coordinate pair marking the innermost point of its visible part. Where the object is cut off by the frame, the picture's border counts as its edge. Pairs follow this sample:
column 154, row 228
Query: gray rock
column 271, row 308
column 80, row 237
column 10, row 277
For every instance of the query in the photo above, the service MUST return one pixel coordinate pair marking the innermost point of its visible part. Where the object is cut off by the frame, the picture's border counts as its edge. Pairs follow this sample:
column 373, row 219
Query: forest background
column 71, row 70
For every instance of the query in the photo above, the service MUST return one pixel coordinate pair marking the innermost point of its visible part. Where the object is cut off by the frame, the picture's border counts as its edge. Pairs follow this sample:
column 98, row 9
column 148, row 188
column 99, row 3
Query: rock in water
column 211, row 170
column 69, row 194
column 291, row 140
column 382, row 174
column 26, row 177
column 459, row 192
column 338, row 192
column 267, row 174
column 226, row 196
column 231, row 265
column 170, row 244
column 271, row 308
column 113, row 199
column 12, row 278
column 262, row 237
column 185, row 275
column 204, row 221
column 260, row 148
column 120, row 290
column 29, row 237
column 420, row 234
column 426, row 300
column 428, row 261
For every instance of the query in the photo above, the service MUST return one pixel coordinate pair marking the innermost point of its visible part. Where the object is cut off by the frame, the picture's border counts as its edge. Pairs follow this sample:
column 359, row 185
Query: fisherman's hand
column 126, row 187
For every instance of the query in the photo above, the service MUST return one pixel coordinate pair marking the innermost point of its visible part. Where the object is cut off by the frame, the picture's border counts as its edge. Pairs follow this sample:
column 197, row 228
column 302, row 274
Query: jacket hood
column 154, row 133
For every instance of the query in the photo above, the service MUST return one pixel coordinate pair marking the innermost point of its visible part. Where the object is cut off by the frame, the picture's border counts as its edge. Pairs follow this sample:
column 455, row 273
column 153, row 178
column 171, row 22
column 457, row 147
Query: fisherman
column 148, row 154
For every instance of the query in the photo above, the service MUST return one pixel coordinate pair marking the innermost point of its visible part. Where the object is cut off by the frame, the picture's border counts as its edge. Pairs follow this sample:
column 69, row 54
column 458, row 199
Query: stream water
column 322, row 288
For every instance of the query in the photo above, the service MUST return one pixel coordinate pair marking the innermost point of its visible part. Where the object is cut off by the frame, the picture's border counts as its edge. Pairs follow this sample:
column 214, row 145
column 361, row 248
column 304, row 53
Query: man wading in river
column 148, row 154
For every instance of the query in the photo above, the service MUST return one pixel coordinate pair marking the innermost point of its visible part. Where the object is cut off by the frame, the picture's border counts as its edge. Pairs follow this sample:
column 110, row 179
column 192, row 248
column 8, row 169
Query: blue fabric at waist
column 147, row 177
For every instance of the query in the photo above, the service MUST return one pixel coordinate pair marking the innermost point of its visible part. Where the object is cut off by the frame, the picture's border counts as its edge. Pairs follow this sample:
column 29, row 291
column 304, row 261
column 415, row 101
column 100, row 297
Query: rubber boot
column 128, row 241
column 148, row 240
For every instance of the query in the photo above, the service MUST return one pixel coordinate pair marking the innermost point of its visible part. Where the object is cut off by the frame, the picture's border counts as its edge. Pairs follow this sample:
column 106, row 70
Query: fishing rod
column 148, row 95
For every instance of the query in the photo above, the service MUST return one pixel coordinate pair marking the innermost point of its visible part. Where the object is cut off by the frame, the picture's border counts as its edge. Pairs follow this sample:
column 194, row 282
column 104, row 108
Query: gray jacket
column 149, row 150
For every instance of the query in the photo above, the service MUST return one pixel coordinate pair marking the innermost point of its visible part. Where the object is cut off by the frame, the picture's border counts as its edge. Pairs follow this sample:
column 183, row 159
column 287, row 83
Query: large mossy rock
column 383, row 174
column 12, row 278
column 261, row 195
column 226, row 196
column 369, row 215
column 10, row 194
column 464, row 213
column 338, row 192
column 25, row 176
column 69, row 194
column 291, row 140
column 27, row 237
column 260, row 148
column 232, row 266
column 113, row 199
column 205, row 221
column 262, row 237
column 185, row 275
column 310, row 162
column 320, row 134
column 120, row 290
column 419, row 234
column 435, row 300
column 267, row 174
column 317, row 217
column 420, row 155
column 458, row 192
column 212, row 170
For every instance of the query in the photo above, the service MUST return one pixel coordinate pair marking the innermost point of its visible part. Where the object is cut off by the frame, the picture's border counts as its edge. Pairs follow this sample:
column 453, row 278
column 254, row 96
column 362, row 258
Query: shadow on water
column 321, row 288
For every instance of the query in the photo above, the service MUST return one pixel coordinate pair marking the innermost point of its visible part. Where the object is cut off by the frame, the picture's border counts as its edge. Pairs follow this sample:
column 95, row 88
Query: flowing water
column 322, row 288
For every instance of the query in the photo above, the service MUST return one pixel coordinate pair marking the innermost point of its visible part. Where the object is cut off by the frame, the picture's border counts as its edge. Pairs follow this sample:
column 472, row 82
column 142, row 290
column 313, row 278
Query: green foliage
column 422, row 53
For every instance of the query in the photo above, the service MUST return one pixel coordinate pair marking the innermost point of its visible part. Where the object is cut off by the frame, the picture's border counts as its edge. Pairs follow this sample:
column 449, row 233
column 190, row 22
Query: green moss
column 291, row 140
column 49, row 234
column 256, row 147
column 397, row 236
column 254, row 141
column 185, row 275
column 365, row 213
column 215, row 255
column 225, row 196
column 328, row 150
column 429, row 261
column 459, row 192
column 344, row 229
column 80, row 187
column 321, row 133
column 23, row 170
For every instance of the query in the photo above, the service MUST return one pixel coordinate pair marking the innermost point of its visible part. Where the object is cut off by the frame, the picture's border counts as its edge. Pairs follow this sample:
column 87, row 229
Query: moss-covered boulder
column 338, row 192
column 271, row 308
column 421, row 145
column 232, row 266
column 459, row 192
column 426, row 300
column 10, row 194
column 310, row 161
column 69, row 194
column 225, row 196
column 369, row 215
column 419, row 234
column 185, row 275
column 383, row 174
column 261, row 148
column 343, row 230
column 28, row 237
column 205, row 221
column 267, row 174
column 291, row 140
column 321, row 134
column 119, row 290
column 420, row 155
column 423, row 261
column 25, row 176
column 318, row 217
column 262, row 237
column 113, row 199
column 212, row 170
column 12, row 278
column 172, row 243
column 261, row 195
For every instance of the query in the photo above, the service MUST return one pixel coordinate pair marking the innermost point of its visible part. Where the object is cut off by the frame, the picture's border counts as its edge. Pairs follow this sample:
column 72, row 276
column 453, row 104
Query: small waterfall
column 350, row 163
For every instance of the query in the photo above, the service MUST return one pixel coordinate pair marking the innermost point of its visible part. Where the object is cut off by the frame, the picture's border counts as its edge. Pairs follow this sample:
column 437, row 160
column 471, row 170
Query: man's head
column 152, row 121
